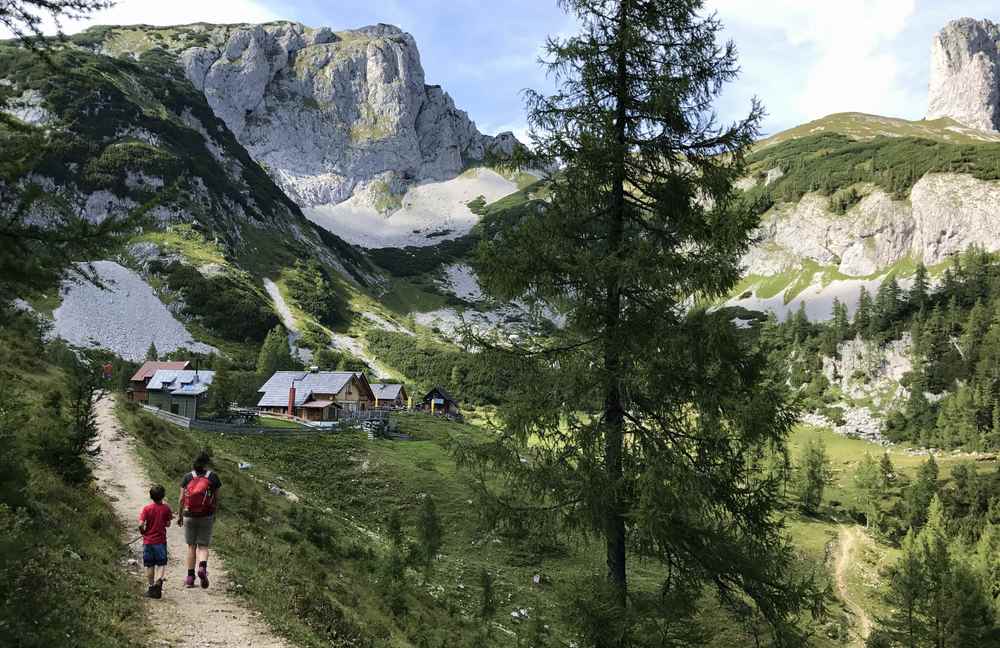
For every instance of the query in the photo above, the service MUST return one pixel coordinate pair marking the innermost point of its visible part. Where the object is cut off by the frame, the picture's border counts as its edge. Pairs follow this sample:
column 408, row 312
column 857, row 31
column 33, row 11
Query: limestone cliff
column 945, row 214
column 964, row 74
column 326, row 113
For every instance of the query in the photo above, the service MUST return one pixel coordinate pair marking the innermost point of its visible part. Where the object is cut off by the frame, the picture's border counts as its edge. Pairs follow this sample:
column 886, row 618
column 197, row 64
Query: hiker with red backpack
column 199, row 498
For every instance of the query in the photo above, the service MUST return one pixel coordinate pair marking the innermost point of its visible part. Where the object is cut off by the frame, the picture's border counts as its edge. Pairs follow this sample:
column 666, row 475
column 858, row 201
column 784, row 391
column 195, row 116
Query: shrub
column 229, row 308
column 315, row 292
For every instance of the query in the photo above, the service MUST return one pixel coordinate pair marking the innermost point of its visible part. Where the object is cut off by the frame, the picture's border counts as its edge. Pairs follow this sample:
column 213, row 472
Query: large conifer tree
column 650, row 420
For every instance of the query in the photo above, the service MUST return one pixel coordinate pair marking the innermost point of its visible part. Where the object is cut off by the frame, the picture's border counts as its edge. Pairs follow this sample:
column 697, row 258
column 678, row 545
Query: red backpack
column 199, row 498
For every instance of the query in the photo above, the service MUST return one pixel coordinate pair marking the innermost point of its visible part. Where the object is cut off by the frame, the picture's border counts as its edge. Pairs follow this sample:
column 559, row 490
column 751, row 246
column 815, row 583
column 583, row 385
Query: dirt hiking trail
column 187, row 618
column 848, row 541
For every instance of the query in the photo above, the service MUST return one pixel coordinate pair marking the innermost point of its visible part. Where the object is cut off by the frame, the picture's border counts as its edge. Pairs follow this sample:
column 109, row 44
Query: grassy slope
column 358, row 483
column 61, row 555
column 863, row 126
column 815, row 534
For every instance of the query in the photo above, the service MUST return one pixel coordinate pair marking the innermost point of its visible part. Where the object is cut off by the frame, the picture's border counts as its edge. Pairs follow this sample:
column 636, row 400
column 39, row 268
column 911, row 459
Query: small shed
column 439, row 401
column 389, row 395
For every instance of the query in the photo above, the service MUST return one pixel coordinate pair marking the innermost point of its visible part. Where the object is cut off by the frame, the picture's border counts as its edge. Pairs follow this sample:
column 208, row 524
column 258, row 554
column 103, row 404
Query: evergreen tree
column 937, row 568
column 639, row 408
column 906, row 596
column 936, row 346
column 25, row 18
column 813, row 475
column 969, row 611
column 33, row 256
column 800, row 324
column 868, row 479
column 974, row 334
column 918, row 295
column 956, row 424
column 275, row 354
column 152, row 353
column 917, row 351
column 863, row 316
column 429, row 533
column 223, row 389
column 841, row 322
column 887, row 470
column 918, row 495
column 313, row 290
column 919, row 412
column 887, row 305
column 487, row 600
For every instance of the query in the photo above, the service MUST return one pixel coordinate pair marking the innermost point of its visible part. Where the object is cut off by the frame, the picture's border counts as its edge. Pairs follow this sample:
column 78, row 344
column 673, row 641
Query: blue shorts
column 154, row 555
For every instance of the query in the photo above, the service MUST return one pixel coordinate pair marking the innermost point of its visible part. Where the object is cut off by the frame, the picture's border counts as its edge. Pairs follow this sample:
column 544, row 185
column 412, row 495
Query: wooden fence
column 307, row 428
column 176, row 419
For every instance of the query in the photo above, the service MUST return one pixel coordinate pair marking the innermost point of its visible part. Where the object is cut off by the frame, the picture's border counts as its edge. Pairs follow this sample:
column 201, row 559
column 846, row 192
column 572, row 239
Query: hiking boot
column 203, row 577
column 151, row 592
column 189, row 581
column 157, row 589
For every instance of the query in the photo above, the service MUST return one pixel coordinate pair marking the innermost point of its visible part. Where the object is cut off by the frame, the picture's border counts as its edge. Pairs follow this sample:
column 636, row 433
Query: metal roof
column 185, row 382
column 150, row 367
column 274, row 393
column 318, row 404
column 386, row 391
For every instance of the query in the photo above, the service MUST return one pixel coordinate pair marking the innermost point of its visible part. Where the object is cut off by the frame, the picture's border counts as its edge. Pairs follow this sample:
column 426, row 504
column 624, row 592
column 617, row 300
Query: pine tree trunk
column 613, row 407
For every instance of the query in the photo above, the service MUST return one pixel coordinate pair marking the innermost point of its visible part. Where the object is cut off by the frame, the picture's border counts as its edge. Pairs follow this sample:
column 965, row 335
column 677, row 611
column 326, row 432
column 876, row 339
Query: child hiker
column 154, row 519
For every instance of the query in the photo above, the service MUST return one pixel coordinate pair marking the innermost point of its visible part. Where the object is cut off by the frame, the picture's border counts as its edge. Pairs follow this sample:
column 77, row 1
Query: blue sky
column 803, row 58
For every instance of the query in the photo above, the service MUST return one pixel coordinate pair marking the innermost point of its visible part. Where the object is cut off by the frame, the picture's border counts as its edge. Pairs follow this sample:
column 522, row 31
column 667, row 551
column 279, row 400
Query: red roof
column 150, row 367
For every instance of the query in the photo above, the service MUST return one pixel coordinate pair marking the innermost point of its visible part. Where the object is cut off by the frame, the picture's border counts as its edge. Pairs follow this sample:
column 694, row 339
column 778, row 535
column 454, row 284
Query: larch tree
column 26, row 19
column 35, row 252
column 275, row 354
column 650, row 418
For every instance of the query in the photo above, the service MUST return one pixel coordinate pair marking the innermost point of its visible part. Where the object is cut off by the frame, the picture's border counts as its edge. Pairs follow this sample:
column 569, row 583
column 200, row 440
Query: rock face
column 330, row 113
column 964, row 75
column 946, row 213
column 865, row 369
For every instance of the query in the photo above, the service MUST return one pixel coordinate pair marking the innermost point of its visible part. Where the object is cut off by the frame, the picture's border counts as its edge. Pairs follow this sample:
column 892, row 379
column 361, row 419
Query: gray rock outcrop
column 945, row 214
column 330, row 113
column 964, row 74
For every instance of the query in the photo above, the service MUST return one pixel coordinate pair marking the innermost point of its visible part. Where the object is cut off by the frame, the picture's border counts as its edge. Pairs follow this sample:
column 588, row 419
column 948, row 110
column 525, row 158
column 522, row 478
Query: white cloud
column 843, row 51
column 168, row 12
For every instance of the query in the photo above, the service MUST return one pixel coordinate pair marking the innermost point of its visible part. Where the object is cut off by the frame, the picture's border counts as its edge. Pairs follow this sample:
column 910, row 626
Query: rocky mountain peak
column 964, row 74
column 327, row 113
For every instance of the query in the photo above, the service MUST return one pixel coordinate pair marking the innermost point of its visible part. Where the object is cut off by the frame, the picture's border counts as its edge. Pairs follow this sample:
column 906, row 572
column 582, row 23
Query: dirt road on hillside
column 848, row 540
column 188, row 618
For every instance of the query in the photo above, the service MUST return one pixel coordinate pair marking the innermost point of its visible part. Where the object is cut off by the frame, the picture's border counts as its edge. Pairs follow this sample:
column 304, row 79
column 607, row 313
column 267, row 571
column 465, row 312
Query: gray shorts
column 198, row 530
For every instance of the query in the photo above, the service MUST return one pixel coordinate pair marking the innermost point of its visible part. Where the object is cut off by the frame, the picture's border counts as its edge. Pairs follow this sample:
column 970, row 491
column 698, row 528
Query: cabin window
column 175, row 408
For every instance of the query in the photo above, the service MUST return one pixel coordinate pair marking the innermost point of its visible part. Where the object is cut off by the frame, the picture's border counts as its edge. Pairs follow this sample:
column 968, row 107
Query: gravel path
column 123, row 316
column 848, row 540
column 280, row 305
column 183, row 618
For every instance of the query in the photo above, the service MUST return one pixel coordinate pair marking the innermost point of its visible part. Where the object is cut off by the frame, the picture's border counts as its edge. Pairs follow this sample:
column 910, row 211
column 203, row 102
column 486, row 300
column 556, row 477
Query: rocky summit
column 964, row 79
column 327, row 113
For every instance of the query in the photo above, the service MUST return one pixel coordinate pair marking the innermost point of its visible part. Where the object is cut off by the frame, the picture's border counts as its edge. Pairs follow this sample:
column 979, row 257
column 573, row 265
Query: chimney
column 291, row 399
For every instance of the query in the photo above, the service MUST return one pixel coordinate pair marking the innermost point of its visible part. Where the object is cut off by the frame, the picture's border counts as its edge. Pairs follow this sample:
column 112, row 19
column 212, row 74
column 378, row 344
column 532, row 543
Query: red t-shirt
column 157, row 518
